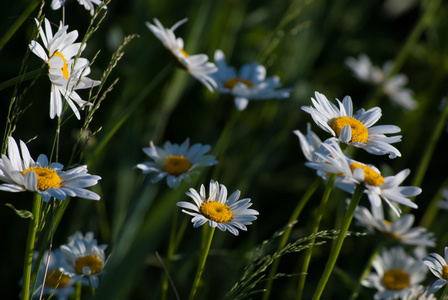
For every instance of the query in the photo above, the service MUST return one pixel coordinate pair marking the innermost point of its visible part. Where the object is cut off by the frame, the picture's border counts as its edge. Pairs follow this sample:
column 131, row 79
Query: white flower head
column 176, row 162
column 395, row 274
column 418, row 292
column 88, row 4
column 439, row 267
column 197, row 65
column 354, row 129
column 21, row 173
column 65, row 74
column 219, row 211
column 309, row 143
column 85, row 257
column 443, row 204
column 250, row 83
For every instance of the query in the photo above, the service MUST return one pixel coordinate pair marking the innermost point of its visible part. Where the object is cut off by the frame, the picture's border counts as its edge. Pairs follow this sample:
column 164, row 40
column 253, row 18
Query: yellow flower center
column 370, row 176
column 64, row 69
column 233, row 81
column 57, row 279
column 46, row 178
column 396, row 279
column 185, row 54
column 359, row 131
column 387, row 222
column 93, row 262
column 216, row 211
column 177, row 164
column 445, row 272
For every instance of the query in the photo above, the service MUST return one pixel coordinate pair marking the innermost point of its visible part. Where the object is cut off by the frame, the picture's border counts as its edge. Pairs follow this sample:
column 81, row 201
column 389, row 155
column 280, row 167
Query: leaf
column 25, row 214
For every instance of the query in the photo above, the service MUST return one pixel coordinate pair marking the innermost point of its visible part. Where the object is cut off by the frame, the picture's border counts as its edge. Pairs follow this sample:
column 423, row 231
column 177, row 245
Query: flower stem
column 170, row 252
column 207, row 241
column 340, row 240
column 309, row 251
column 444, row 295
column 29, row 250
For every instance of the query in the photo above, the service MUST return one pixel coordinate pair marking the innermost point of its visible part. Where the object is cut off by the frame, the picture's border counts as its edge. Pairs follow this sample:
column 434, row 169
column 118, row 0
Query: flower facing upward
column 396, row 273
column 85, row 257
column 439, row 267
column 219, row 211
column 356, row 130
column 248, row 84
column 22, row 173
column 176, row 162
column 88, row 4
column 65, row 74
column 197, row 65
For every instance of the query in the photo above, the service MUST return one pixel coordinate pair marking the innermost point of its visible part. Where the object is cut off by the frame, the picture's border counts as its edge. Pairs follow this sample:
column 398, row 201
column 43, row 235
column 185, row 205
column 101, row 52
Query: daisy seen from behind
column 439, row 267
column 197, row 65
column 176, row 162
column 66, row 75
column 309, row 143
column 217, row 210
column 250, row 83
column 88, row 4
column 354, row 129
column 21, row 173
column 85, row 257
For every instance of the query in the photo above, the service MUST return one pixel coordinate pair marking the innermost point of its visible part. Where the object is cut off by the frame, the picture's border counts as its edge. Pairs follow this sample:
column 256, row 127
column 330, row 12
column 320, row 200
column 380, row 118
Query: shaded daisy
column 65, row 74
column 21, row 173
column 354, row 129
column 439, row 267
column 443, row 204
column 393, row 86
column 176, row 162
column 85, row 258
column 309, row 143
column 88, row 4
column 197, row 65
column 398, row 231
column 219, row 211
column 250, row 83
column 418, row 292
column 395, row 274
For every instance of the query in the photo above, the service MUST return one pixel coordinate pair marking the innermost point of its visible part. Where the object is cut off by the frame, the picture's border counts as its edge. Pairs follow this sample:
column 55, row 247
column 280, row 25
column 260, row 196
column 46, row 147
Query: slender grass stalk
column 78, row 290
column 170, row 252
column 309, row 251
column 206, row 242
column 340, row 240
column 29, row 250
column 444, row 295
column 295, row 214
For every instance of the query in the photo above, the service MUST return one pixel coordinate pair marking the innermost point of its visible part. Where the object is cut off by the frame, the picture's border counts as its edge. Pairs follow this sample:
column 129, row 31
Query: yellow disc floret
column 64, row 69
column 445, row 272
column 396, row 279
column 370, row 176
column 46, row 178
column 177, row 164
column 359, row 131
column 216, row 211
column 185, row 54
column 93, row 262
column 233, row 81
column 56, row 279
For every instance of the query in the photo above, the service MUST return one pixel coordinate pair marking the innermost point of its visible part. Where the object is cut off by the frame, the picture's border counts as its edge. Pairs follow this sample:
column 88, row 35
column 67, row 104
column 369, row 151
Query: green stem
column 170, row 252
column 309, row 251
column 207, row 241
column 444, row 295
column 29, row 250
column 340, row 240
column 300, row 205
column 27, row 76
column 78, row 290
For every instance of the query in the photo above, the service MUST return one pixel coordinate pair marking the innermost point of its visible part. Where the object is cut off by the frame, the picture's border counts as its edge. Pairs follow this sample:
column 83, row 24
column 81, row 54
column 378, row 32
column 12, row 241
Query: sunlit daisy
column 250, row 83
column 176, row 162
column 21, row 173
column 356, row 130
column 398, row 231
column 85, row 258
column 219, row 211
column 197, row 65
column 65, row 75
column 395, row 274
column 88, row 4
column 439, row 267
column 392, row 86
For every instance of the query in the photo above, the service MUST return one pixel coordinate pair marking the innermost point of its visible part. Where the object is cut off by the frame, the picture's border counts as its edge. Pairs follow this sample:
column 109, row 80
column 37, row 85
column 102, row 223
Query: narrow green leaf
column 25, row 214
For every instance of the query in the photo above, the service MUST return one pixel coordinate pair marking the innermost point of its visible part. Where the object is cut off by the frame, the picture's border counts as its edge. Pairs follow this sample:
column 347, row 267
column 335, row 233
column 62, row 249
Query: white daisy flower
column 176, row 162
column 395, row 274
column 418, row 292
column 309, row 143
column 65, row 75
column 377, row 187
column 197, row 65
column 439, row 267
column 85, row 258
column 88, row 4
column 21, row 173
column 398, row 231
column 443, row 204
column 356, row 130
column 219, row 211
column 392, row 86
column 250, row 83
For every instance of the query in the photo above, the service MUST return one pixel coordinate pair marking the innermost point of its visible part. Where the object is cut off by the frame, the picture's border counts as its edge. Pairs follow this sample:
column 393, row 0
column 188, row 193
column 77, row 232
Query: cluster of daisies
column 397, row 274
